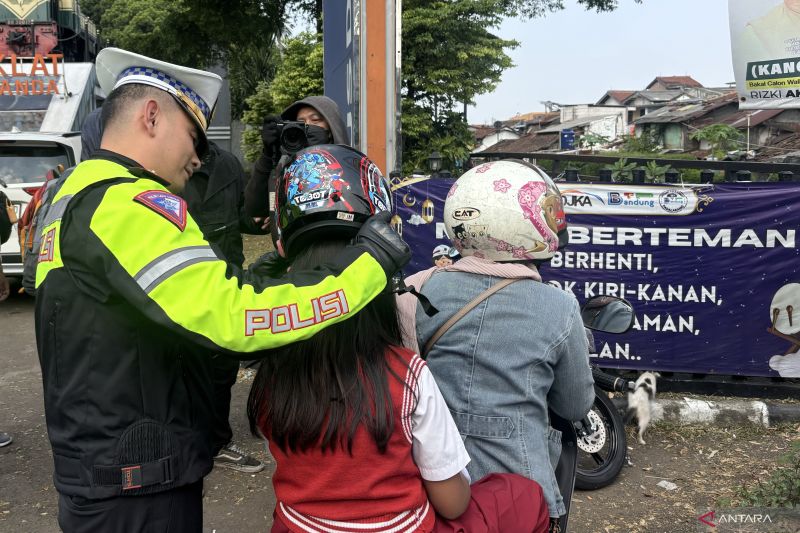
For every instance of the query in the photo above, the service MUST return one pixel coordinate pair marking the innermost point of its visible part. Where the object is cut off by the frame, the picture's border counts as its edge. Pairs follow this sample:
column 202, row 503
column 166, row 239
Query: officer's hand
column 271, row 265
column 383, row 243
column 270, row 134
column 262, row 222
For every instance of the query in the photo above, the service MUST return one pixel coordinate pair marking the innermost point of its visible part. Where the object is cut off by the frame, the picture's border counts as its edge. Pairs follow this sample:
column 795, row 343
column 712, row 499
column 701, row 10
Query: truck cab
column 25, row 159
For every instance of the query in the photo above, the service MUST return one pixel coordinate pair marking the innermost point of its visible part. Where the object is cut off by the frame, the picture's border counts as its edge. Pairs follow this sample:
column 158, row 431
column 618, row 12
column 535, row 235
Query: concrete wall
column 576, row 112
column 611, row 127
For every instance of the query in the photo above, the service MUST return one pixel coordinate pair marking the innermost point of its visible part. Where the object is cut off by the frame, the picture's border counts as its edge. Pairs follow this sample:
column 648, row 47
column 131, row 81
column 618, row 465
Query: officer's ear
column 153, row 113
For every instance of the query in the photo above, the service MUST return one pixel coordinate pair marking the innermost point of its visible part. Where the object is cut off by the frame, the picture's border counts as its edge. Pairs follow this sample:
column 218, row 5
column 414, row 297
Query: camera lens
column 293, row 137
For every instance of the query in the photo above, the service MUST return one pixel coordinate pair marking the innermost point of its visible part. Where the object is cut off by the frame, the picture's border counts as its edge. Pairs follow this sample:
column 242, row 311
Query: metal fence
column 710, row 171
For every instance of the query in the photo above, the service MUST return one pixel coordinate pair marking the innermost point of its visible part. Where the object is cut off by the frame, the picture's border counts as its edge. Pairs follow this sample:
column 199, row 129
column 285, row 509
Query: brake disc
column 594, row 441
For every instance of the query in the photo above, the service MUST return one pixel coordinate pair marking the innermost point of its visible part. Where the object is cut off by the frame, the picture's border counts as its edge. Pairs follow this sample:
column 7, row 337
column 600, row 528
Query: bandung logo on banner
column 633, row 200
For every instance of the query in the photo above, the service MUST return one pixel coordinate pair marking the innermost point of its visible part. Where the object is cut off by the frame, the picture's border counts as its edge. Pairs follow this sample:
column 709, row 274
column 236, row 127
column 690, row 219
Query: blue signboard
column 341, row 67
column 713, row 273
column 568, row 139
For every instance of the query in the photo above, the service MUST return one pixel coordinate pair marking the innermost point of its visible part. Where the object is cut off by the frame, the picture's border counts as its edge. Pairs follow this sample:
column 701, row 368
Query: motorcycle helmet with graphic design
column 441, row 251
column 326, row 189
column 506, row 210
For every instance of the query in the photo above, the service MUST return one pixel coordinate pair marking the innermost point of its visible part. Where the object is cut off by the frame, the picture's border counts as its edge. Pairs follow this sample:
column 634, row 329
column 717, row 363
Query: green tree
column 134, row 25
column 539, row 8
column 298, row 75
column 240, row 34
column 450, row 55
column 591, row 140
column 721, row 137
column 646, row 143
column 248, row 66
column 621, row 170
column 94, row 8
column 246, row 33
column 655, row 172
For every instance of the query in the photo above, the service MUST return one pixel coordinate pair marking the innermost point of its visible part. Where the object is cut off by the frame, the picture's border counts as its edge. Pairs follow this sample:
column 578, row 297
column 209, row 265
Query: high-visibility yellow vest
column 166, row 261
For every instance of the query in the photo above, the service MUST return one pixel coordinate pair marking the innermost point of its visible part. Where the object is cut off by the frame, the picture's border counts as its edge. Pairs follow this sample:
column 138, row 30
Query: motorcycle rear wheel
column 599, row 469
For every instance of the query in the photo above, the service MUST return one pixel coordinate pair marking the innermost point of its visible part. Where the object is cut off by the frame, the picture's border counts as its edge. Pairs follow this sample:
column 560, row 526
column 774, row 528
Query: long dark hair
column 318, row 391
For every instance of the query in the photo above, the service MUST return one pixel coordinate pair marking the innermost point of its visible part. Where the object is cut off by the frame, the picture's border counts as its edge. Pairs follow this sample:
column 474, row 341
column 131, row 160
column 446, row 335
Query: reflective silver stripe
column 56, row 210
column 171, row 262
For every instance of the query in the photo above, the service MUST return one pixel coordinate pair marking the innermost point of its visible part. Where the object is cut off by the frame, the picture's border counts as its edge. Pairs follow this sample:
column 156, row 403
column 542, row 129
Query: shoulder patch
column 169, row 206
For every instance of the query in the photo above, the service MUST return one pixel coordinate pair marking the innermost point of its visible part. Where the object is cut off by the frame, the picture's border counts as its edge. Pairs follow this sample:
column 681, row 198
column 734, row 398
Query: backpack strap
column 463, row 311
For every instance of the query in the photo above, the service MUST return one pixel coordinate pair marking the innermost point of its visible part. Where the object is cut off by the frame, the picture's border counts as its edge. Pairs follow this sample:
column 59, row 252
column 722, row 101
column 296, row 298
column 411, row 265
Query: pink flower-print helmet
column 506, row 211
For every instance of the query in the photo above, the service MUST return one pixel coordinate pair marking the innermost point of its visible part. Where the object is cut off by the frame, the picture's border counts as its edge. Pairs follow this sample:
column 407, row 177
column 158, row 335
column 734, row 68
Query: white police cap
column 195, row 90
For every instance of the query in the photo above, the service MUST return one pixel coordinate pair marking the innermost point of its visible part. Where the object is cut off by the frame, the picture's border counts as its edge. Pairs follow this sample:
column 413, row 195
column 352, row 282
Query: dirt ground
column 706, row 463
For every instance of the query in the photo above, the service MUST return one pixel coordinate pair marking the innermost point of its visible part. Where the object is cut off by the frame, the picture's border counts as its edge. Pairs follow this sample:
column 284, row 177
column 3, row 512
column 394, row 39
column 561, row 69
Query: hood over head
column 329, row 111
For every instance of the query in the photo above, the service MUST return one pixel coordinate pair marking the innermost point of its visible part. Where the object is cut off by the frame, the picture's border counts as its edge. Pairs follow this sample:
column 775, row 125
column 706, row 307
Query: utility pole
column 748, row 133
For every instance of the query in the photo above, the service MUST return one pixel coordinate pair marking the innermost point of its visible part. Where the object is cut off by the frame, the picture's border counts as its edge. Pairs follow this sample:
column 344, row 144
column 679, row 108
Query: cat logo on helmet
column 521, row 213
column 466, row 213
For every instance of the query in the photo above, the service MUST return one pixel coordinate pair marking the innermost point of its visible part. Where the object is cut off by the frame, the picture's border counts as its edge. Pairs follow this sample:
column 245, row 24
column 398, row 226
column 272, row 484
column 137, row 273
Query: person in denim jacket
column 520, row 351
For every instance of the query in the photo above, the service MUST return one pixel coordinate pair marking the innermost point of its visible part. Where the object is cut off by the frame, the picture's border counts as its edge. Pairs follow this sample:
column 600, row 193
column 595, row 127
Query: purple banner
column 712, row 272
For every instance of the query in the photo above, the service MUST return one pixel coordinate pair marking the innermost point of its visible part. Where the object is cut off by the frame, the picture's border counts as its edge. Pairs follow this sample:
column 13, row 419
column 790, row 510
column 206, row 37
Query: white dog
column 639, row 400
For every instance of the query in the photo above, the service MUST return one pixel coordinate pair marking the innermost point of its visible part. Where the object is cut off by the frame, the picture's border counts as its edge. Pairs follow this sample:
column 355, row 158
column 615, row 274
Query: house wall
column 494, row 138
column 759, row 135
column 610, row 127
column 789, row 120
column 722, row 112
column 673, row 137
column 575, row 112
column 610, row 100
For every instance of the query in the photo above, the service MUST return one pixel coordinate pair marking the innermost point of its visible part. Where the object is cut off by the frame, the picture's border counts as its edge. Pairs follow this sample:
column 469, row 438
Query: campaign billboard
column 712, row 271
column 765, row 47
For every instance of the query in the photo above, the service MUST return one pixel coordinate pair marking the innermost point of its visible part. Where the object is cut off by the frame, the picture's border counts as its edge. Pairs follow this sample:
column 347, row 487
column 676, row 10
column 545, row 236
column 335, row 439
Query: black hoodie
column 262, row 182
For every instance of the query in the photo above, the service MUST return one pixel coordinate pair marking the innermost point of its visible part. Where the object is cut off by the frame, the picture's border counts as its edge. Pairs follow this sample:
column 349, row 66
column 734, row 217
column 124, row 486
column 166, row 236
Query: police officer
column 125, row 281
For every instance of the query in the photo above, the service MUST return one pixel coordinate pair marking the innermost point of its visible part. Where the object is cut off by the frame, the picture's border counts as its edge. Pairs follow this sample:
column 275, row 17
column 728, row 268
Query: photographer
column 323, row 124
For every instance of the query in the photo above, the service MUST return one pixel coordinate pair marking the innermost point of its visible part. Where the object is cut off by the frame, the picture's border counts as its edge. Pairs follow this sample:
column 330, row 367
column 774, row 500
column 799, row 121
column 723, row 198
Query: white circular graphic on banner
column 784, row 310
column 673, row 201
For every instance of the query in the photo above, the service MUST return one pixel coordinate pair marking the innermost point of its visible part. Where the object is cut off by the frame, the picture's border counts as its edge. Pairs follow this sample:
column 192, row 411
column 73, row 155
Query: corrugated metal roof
column 660, row 96
column 739, row 119
column 574, row 124
column 686, row 81
column 618, row 95
column 479, row 131
column 532, row 142
column 683, row 112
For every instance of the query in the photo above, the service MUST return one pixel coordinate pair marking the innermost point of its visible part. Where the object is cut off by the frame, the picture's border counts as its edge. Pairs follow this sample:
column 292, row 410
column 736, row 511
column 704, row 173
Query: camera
column 293, row 136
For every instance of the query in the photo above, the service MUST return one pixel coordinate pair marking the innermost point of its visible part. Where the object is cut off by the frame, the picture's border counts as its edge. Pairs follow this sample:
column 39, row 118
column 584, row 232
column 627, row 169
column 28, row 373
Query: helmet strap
column 397, row 286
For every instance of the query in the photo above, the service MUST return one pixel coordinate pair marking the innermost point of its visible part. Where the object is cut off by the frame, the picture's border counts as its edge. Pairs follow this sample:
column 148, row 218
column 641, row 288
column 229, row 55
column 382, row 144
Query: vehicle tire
column 601, row 454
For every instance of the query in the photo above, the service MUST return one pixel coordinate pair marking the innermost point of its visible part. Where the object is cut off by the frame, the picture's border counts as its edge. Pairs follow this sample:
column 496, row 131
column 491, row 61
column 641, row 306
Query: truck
column 30, row 27
column 47, row 88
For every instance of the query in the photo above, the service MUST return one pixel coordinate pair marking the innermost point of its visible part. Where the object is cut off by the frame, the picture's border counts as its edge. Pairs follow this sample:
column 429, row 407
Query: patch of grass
column 780, row 489
column 667, row 428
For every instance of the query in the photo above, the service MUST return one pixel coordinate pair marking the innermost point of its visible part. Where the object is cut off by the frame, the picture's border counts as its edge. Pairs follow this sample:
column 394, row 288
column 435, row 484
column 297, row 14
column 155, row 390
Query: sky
column 574, row 56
